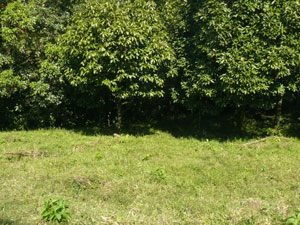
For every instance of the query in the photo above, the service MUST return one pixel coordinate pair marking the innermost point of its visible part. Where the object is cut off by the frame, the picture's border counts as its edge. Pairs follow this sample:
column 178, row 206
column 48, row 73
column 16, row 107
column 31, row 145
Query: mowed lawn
column 148, row 179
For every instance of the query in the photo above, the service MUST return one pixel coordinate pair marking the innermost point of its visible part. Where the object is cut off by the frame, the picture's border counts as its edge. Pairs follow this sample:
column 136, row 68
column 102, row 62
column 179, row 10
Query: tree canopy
column 87, row 60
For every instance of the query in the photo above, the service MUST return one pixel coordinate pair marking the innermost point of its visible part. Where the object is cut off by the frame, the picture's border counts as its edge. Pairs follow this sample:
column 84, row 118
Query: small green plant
column 248, row 221
column 55, row 210
column 159, row 174
column 293, row 219
column 146, row 157
column 2, row 141
column 99, row 155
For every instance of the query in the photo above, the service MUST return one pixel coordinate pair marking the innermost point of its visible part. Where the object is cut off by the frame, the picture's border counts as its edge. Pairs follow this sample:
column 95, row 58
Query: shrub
column 55, row 210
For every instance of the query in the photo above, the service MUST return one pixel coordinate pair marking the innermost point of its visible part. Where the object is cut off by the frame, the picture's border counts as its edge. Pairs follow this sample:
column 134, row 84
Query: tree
column 246, row 53
column 120, row 47
column 26, row 28
column 176, row 15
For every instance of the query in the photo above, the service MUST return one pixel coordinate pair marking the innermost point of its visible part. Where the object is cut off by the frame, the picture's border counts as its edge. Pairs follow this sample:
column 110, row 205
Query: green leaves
column 93, row 54
column 244, row 51
column 26, row 28
column 123, row 46
column 294, row 219
column 55, row 210
column 10, row 84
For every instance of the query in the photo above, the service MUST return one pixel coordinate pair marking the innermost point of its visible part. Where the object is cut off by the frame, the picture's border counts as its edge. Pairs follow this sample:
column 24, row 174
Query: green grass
column 155, row 178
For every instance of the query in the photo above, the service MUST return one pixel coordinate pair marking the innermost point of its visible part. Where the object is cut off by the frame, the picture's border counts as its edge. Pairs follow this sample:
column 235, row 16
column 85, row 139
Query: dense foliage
column 246, row 53
column 99, row 61
column 25, row 91
column 120, row 48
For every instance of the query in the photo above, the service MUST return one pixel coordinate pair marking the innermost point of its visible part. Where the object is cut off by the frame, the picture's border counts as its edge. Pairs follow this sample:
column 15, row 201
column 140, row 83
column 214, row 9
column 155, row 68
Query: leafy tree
column 26, row 27
column 175, row 15
column 119, row 47
column 246, row 53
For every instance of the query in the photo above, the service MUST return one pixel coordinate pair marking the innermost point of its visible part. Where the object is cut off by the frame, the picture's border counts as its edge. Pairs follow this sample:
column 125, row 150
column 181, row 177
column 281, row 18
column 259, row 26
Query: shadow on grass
column 223, row 128
column 131, row 129
column 8, row 222
column 220, row 129
column 227, row 128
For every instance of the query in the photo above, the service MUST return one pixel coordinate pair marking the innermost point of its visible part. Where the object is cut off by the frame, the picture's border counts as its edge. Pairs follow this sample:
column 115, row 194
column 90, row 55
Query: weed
column 159, row 174
column 293, row 219
column 55, row 210
column 248, row 221
column 99, row 155
column 81, row 183
column 2, row 141
column 146, row 157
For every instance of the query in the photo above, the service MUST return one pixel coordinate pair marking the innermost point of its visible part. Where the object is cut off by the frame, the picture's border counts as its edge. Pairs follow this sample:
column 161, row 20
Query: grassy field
column 155, row 178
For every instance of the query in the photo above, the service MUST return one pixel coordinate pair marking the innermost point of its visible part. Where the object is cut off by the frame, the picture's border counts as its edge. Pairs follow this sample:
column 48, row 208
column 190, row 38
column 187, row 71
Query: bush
column 55, row 210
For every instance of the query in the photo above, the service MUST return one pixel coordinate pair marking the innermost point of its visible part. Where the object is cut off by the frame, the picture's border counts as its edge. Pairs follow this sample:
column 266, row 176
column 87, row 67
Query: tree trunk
column 199, row 120
column 240, row 117
column 278, row 113
column 119, row 115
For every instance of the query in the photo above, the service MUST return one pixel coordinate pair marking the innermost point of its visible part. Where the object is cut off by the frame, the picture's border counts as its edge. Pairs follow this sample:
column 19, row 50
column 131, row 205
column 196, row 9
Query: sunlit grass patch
column 150, row 179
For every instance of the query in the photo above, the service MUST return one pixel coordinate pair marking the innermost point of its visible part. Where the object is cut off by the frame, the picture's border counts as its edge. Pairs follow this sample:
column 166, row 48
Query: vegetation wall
column 116, row 61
